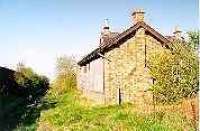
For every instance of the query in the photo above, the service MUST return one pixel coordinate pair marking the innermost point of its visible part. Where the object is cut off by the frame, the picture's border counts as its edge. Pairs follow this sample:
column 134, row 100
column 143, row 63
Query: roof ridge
column 117, row 41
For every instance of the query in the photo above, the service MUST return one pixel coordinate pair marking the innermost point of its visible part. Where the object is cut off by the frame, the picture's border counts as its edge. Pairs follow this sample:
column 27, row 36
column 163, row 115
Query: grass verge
column 72, row 112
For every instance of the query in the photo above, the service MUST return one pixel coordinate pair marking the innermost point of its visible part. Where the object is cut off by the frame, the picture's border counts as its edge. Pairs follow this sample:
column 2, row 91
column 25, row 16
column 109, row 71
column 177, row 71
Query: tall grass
column 72, row 112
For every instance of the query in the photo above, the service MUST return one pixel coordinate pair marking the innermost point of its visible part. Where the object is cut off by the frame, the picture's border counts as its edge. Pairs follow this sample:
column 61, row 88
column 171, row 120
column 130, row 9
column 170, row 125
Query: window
column 84, row 69
column 88, row 67
column 153, row 80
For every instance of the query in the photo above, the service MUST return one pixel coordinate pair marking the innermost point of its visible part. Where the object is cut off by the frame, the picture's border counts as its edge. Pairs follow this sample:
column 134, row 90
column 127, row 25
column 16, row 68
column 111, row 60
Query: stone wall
column 127, row 71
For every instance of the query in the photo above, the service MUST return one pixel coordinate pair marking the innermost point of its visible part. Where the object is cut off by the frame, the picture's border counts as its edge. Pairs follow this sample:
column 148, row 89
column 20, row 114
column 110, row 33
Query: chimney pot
column 105, row 33
column 177, row 33
column 106, row 28
column 138, row 15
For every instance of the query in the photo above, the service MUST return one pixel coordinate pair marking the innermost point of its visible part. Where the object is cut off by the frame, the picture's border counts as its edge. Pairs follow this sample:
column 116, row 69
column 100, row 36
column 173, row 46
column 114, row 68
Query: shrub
column 30, row 83
column 175, row 73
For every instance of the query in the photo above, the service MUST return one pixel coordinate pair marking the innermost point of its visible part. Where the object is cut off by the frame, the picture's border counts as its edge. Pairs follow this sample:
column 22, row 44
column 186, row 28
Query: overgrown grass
column 72, row 112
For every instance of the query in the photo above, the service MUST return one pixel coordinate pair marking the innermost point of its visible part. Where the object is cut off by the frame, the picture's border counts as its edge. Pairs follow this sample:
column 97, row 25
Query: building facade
column 117, row 71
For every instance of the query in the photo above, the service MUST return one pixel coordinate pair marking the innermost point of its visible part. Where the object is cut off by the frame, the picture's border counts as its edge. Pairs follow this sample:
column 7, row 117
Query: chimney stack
column 177, row 33
column 105, row 33
column 138, row 15
column 106, row 28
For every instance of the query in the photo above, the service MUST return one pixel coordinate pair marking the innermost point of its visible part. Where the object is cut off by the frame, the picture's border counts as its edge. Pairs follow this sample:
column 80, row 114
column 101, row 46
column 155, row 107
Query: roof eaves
column 89, row 57
column 115, row 42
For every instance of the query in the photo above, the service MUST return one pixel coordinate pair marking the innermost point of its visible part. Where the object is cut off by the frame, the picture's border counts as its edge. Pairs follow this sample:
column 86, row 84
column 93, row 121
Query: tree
column 31, row 83
column 193, row 39
column 65, row 74
column 23, row 75
column 175, row 72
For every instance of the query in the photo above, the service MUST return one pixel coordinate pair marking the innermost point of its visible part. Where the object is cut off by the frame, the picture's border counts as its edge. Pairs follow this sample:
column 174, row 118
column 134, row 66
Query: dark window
column 88, row 67
column 84, row 69
column 153, row 80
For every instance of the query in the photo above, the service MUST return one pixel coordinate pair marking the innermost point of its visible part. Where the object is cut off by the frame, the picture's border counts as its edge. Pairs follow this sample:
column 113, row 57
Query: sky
column 36, row 32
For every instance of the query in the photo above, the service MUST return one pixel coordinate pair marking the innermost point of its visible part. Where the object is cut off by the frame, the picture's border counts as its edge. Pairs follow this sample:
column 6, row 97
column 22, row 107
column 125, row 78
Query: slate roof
column 119, row 39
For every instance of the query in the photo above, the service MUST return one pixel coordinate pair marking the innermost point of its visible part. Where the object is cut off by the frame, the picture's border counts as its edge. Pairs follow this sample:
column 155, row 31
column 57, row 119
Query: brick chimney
column 138, row 15
column 177, row 33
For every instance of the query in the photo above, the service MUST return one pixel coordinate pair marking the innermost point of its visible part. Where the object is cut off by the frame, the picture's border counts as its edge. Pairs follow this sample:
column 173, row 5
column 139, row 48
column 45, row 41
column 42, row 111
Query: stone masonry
column 124, row 67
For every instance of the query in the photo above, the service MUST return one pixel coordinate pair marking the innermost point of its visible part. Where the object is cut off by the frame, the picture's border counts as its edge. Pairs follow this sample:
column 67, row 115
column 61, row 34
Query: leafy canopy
column 175, row 72
column 65, row 74
column 193, row 39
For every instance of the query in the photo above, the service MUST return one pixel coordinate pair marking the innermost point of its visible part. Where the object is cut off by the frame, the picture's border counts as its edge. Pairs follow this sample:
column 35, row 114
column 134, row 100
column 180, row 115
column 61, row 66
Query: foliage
column 79, row 116
column 8, row 84
column 29, row 81
column 175, row 72
column 19, row 105
column 65, row 74
column 193, row 39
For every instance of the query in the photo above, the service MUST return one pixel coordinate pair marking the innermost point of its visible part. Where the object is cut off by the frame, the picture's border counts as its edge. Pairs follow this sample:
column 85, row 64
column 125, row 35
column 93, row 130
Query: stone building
column 117, row 70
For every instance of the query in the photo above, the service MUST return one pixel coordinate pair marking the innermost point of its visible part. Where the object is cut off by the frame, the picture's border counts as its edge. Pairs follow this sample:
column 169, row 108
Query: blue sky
column 37, row 31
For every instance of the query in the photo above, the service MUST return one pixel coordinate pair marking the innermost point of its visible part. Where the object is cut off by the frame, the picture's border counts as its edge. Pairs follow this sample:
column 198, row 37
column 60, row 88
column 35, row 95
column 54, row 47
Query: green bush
column 30, row 83
column 175, row 73
column 20, row 98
